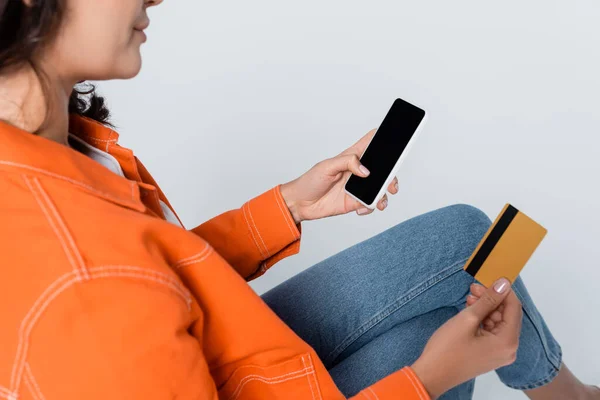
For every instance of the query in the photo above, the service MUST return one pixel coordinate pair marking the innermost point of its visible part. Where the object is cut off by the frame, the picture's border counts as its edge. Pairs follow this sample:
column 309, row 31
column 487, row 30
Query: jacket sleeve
column 133, row 344
column 252, row 238
column 255, row 236
column 402, row 384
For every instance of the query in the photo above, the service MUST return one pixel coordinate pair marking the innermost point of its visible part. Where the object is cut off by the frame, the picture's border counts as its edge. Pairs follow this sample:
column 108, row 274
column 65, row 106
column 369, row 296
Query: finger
column 383, row 203
column 491, row 299
column 496, row 316
column 489, row 324
column 364, row 211
column 393, row 187
column 496, row 330
column 477, row 289
column 339, row 164
column 471, row 300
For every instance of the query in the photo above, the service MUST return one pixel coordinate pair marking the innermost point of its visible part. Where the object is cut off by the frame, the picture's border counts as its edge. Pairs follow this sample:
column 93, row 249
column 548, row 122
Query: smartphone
column 386, row 151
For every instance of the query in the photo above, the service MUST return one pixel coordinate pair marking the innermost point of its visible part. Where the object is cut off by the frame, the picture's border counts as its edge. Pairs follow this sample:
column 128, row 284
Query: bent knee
column 457, row 228
column 468, row 213
column 463, row 225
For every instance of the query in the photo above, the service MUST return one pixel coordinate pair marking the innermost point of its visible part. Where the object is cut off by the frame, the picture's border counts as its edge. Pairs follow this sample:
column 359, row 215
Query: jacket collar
column 21, row 151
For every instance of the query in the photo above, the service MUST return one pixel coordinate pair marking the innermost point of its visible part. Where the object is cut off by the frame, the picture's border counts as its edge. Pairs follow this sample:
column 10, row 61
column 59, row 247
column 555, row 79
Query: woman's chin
column 125, row 67
column 131, row 68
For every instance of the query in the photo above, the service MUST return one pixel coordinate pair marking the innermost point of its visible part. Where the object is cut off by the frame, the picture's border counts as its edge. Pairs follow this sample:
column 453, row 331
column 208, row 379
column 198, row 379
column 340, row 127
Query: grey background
column 236, row 97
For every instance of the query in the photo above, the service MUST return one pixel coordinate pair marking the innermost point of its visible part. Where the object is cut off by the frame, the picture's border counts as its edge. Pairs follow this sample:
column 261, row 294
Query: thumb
column 343, row 163
column 491, row 299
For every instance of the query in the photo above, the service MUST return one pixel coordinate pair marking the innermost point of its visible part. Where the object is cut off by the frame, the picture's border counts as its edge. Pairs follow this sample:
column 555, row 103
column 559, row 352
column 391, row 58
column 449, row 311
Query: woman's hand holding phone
column 481, row 338
column 319, row 193
column 338, row 186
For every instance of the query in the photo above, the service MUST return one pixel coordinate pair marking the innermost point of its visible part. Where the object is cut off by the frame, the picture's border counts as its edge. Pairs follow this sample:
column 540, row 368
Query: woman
column 105, row 295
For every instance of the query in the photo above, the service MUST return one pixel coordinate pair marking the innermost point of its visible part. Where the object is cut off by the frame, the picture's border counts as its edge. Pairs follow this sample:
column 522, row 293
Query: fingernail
column 362, row 210
column 364, row 170
column 396, row 185
column 385, row 203
column 501, row 285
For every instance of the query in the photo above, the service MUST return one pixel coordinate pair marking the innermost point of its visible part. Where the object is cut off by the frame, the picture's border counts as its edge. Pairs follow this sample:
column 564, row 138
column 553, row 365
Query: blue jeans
column 370, row 309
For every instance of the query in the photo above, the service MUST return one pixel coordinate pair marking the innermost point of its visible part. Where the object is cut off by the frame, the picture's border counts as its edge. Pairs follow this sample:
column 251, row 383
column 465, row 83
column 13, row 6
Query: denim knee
column 439, row 242
column 468, row 213
column 457, row 229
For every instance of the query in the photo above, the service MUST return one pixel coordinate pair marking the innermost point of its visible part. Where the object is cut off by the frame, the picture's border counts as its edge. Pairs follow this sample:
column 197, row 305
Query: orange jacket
column 102, row 298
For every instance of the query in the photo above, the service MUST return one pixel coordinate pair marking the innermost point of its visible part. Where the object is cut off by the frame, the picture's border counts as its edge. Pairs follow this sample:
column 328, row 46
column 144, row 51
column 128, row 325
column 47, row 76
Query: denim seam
column 393, row 307
column 551, row 358
column 540, row 382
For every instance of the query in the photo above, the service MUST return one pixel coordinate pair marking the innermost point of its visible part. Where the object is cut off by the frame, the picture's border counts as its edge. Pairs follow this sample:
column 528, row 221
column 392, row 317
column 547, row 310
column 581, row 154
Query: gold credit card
column 506, row 247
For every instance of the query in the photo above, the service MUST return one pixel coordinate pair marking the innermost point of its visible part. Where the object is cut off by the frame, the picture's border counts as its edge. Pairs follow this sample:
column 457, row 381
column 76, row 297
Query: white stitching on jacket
column 109, row 140
column 199, row 257
column 59, row 285
column 414, row 385
column 312, row 364
column 7, row 394
column 64, row 178
column 52, row 224
column 252, row 232
column 246, row 366
column 364, row 393
column 370, row 389
column 206, row 245
column 257, row 231
column 287, row 222
column 270, row 381
column 34, row 388
column 312, row 393
column 65, row 232
column 199, row 260
column 98, row 140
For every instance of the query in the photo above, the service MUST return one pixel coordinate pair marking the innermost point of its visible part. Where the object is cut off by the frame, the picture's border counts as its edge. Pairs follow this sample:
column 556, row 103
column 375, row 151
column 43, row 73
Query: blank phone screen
column 386, row 147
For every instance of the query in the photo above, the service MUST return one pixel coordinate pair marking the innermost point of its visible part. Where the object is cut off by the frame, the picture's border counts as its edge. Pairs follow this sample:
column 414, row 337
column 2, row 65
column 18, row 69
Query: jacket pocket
column 291, row 379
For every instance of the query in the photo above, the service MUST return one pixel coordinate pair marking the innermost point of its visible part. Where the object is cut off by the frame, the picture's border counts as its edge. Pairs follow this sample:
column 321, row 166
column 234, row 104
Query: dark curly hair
column 25, row 29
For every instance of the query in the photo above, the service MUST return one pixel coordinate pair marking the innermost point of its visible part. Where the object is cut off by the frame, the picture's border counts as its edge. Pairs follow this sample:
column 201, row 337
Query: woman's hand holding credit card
column 502, row 252
column 463, row 348
column 484, row 336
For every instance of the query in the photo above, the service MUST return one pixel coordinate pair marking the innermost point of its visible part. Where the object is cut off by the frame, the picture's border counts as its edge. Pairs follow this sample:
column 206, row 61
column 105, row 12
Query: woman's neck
column 24, row 104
